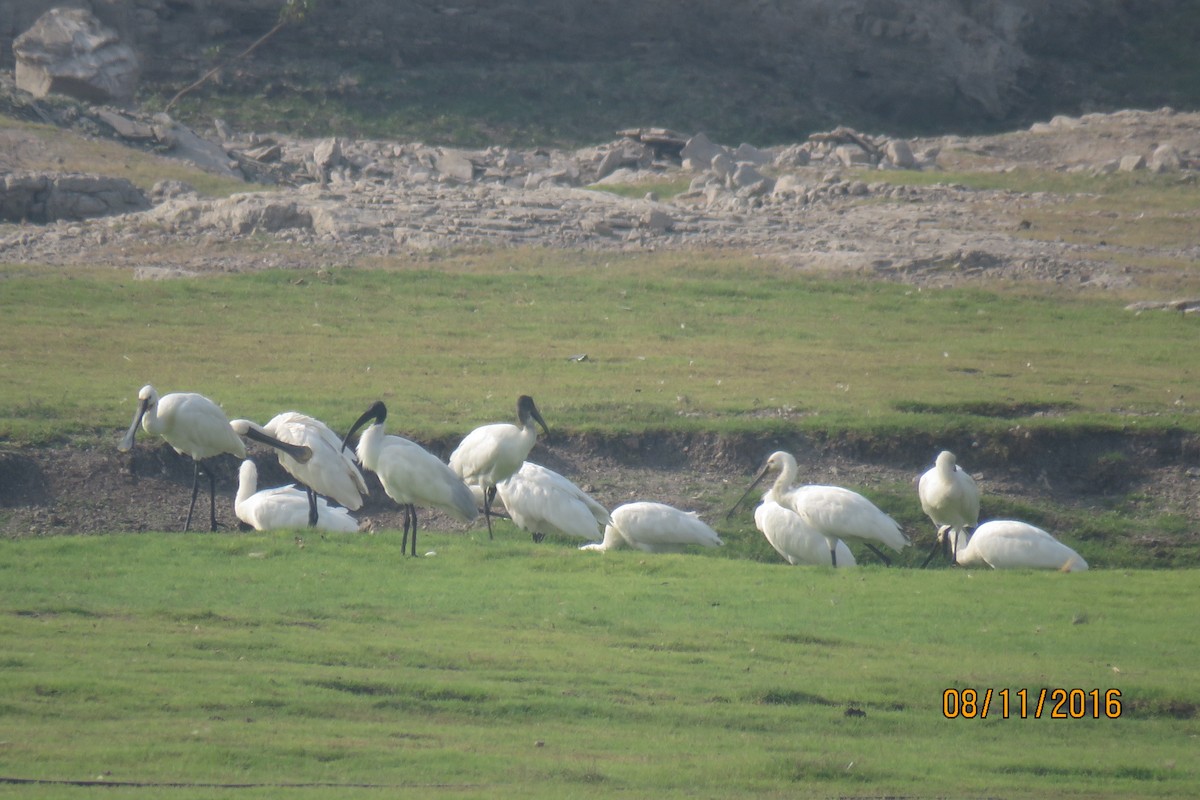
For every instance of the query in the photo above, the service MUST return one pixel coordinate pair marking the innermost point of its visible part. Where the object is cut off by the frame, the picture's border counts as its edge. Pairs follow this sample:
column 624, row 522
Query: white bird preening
column 796, row 540
column 197, row 427
column 1009, row 544
column 950, row 498
column 491, row 453
column 834, row 512
column 541, row 501
column 284, row 507
column 330, row 471
column 409, row 473
column 655, row 528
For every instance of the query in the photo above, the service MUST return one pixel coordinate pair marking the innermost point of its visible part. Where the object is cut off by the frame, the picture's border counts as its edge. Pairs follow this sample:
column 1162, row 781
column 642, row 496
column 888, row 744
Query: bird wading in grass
column 1009, row 544
column 655, row 528
column 834, row 512
column 950, row 498
column 541, row 501
column 409, row 474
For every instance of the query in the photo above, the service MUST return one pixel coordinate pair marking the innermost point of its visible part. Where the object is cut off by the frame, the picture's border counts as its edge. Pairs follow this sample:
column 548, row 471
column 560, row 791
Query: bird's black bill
column 127, row 443
column 377, row 413
column 526, row 410
column 762, row 473
column 297, row 451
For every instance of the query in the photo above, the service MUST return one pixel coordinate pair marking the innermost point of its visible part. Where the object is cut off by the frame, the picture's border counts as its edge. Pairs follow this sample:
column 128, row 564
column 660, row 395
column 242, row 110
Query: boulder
column 899, row 154
column 1132, row 163
column 700, row 150
column 851, row 155
column 40, row 198
column 68, row 51
column 1165, row 158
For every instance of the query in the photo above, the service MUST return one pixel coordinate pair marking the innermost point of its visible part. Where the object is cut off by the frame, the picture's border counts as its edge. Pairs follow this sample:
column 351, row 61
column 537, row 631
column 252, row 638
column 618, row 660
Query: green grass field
column 507, row 669
column 677, row 341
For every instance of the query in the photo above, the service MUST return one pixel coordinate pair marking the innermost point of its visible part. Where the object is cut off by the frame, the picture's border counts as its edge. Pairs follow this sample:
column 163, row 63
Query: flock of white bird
column 806, row 524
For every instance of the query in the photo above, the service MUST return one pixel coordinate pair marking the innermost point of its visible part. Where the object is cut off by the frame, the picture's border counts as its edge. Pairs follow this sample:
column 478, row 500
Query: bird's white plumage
column 835, row 512
column 191, row 423
column 655, row 528
column 493, row 453
column 330, row 471
column 1009, row 544
column 950, row 497
column 796, row 540
column 283, row 507
column 541, row 501
column 411, row 475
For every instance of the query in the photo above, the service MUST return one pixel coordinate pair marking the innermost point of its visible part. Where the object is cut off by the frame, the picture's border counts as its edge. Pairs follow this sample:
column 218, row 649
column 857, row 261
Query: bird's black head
column 377, row 413
column 526, row 410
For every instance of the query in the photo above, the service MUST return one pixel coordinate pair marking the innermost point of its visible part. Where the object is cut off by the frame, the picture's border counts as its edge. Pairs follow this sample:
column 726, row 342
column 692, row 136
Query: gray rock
column 723, row 165
column 899, row 154
column 454, row 165
column 702, row 150
column 43, row 198
column 1132, row 163
column 1165, row 158
column 68, row 51
column 750, row 154
column 851, row 155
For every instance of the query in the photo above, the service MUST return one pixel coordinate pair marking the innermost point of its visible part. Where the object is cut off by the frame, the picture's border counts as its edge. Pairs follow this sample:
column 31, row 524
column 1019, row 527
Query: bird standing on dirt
column 197, row 427
column 491, row 453
column 330, row 471
column 950, row 498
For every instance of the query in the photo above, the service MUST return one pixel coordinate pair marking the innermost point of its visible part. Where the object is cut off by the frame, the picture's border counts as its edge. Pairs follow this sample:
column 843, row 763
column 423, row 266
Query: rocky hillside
column 756, row 71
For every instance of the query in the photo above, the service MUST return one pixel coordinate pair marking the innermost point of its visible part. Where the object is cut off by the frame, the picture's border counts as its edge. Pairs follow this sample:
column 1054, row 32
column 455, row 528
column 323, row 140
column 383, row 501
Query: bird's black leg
column 312, row 507
column 212, row 499
column 195, row 489
column 937, row 543
column 833, row 553
column 413, row 509
column 489, row 494
column 887, row 561
column 404, row 541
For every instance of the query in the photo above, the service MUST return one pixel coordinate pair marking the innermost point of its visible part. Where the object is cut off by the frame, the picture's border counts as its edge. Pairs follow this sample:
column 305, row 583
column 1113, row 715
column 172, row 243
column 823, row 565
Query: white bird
column 1008, row 544
column 655, row 528
column 410, row 474
column 491, row 453
column 541, row 501
column 284, row 507
column 835, row 512
column 330, row 471
column 950, row 498
column 796, row 540
column 195, row 426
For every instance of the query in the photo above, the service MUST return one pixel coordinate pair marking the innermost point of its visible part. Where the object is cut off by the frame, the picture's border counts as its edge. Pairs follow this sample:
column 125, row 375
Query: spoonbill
column 284, row 507
column 834, row 512
column 795, row 539
column 409, row 473
column 950, row 498
column 330, row 471
column 1009, row 544
column 542, row 501
column 197, row 427
column 655, row 528
column 491, row 453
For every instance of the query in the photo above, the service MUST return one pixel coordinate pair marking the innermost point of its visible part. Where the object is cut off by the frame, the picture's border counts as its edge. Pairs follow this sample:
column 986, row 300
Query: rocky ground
column 342, row 202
